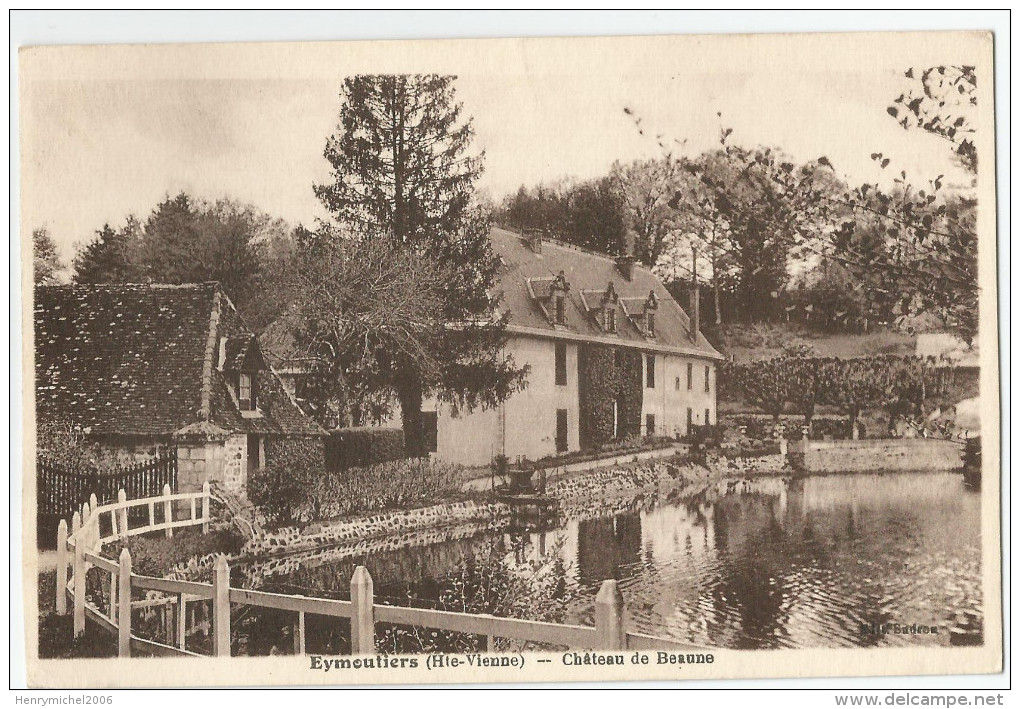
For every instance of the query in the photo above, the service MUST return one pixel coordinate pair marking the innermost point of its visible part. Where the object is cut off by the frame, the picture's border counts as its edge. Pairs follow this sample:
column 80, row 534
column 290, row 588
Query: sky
column 107, row 132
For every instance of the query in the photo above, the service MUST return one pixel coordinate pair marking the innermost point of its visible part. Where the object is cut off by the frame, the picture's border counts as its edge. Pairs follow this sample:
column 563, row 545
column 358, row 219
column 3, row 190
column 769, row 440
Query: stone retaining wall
column 875, row 455
column 775, row 464
column 381, row 524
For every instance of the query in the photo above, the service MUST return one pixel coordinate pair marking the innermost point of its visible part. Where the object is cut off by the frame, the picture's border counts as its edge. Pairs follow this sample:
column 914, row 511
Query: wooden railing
column 84, row 546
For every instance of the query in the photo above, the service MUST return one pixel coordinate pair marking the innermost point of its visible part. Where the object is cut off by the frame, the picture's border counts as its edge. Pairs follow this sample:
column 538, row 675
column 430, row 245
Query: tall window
column 690, row 376
column 650, row 424
column 708, row 378
column 561, row 364
column 561, row 309
column 690, row 419
column 678, row 383
column 650, row 323
column 707, row 421
column 650, row 371
column 561, row 430
column 610, row 320
column 246, row 392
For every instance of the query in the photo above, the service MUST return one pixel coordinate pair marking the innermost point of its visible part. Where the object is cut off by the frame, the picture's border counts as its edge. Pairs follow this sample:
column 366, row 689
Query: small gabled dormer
column 558, row 298
column 607, row 314
column 602, row 306
column 551, row 296
column 240, row 362
column 651, row 306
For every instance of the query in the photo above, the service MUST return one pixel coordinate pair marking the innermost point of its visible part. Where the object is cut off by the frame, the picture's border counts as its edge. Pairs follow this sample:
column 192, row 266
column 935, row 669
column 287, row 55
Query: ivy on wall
column 631, row 391
column 607, row 376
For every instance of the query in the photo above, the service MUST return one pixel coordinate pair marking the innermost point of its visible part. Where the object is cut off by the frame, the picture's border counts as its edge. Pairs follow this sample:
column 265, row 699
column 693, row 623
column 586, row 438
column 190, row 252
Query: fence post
column 221, row 608
column 124, row 602
column 299, row 634
column 114, row 586
column 93, row 501
column 206, row 494
column 362, row 613
column 62, row 567
column 168, row 511
column 122, row 513
column 182, row 621
column 79, row 576
column 609, row 631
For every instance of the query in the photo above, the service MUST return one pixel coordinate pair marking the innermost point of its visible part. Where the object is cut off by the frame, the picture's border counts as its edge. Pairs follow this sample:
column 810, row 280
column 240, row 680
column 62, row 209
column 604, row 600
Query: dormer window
column 550, row 294
column 651, row 305
column 558, row 293
column 246, row 392
column 240, row 361
column 606, row 308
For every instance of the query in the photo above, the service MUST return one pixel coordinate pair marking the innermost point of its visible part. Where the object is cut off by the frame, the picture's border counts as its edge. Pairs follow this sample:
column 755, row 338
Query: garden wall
column 876, row 454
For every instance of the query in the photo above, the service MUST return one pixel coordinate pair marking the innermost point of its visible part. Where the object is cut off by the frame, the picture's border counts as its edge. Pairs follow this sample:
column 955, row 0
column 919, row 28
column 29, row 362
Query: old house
column 141, row 368
column 612, row 355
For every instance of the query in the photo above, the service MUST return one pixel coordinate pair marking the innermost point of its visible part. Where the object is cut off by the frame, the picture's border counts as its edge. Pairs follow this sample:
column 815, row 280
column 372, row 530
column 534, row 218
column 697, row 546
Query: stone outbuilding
column 139, row 369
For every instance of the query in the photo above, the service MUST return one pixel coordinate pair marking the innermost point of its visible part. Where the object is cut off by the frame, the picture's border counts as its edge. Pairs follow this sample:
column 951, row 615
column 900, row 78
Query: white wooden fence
column 83, row 550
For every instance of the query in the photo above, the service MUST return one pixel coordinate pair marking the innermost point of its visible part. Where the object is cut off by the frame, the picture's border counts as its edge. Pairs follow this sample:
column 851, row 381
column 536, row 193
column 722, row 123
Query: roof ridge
column 151, row 286
column 567, row 246
column 205, row 402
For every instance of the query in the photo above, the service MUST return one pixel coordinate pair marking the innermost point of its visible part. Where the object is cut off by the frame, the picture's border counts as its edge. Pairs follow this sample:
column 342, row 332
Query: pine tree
column 45, row 261
column 403, row 171
column 108, row 257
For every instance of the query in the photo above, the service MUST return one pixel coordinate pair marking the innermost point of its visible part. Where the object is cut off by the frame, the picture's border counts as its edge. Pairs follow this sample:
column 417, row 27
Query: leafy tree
column 590, row 214
column 542, row 208
column 185, row 240
column 403, row 173
column 361, row 305
column 595, row 217
column 45, row 261
column 923, row 240
column 109, row 257
column 941, row 101
column 915, row 249
column 647, row 188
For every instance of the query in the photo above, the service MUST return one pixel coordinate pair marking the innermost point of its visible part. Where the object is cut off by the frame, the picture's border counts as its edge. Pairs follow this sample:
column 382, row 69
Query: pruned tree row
column 905, row 387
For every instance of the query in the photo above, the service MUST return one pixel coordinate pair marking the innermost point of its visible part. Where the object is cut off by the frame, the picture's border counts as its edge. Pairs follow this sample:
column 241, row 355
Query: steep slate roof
column 141, row 360
column 589, row 273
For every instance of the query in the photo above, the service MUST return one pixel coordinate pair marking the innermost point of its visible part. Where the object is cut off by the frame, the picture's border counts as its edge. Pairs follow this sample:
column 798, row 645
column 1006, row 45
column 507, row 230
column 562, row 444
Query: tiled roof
column 140, row 360
column 526, row 283
column 589, row 275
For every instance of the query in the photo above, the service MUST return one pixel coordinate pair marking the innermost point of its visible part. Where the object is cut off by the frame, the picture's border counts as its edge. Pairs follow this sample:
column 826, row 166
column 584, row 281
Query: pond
column 826, row 561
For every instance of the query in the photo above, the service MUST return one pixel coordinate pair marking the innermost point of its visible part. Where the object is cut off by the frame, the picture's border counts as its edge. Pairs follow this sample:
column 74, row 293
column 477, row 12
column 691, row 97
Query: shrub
column 363, row 446
column 394, row 485
column 280, row 492
column 487, row 581
column 705, row 435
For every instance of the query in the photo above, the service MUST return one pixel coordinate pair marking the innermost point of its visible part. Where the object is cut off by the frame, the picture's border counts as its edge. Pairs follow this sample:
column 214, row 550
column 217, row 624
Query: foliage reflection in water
column 767, row 563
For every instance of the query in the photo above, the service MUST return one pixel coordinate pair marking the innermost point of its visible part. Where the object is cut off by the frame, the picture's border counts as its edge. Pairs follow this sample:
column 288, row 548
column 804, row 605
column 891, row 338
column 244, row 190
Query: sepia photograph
column 509, row 360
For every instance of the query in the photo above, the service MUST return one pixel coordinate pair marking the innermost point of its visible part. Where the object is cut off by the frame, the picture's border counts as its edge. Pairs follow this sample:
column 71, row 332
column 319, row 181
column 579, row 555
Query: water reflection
column 750, row 564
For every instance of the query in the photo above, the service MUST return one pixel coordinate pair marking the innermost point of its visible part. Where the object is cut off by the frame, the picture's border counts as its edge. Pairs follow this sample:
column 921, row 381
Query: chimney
column 533, row 238
column 626, row 266
column 695, row 312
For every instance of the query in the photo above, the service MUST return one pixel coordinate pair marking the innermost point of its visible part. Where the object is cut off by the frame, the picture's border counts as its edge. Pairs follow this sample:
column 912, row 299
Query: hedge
column 401, row 484
column 363, row 446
